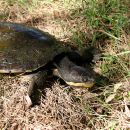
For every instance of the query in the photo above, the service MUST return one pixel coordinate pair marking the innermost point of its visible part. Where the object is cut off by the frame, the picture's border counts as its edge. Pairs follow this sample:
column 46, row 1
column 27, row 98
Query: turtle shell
column 25, row 49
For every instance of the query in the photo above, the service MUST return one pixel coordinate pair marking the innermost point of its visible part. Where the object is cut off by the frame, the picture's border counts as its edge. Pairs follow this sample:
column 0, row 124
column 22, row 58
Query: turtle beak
column 85, row 85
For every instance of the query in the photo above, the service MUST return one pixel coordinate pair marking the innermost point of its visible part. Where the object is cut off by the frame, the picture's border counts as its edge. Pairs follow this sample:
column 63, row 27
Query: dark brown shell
column 25, row 49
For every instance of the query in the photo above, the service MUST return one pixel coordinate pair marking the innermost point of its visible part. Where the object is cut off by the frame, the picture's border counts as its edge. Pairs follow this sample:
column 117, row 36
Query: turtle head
column 73, row 74
column 80, row 77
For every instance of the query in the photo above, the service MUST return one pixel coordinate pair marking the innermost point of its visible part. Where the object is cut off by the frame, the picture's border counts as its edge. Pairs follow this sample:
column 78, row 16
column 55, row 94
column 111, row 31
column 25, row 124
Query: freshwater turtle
column 31, row 52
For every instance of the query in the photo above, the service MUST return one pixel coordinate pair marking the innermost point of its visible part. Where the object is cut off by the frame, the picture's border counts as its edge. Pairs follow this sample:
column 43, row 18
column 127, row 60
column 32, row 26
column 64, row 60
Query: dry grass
column 52, row 17
column 63, row 109
column 105, row 107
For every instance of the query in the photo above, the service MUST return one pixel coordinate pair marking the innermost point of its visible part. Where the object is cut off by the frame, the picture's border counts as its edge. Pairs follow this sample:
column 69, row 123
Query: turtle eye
column 84, row 79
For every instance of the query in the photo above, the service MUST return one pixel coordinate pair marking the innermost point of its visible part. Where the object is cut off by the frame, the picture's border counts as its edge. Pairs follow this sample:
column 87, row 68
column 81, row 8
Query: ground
column 104, row 24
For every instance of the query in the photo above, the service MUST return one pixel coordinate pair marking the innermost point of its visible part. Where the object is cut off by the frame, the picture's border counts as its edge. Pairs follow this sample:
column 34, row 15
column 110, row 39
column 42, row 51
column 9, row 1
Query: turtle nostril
column 84, row 79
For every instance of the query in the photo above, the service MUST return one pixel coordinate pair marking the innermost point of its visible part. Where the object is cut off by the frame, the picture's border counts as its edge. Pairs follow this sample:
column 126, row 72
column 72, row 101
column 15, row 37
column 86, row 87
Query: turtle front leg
column 35, row 88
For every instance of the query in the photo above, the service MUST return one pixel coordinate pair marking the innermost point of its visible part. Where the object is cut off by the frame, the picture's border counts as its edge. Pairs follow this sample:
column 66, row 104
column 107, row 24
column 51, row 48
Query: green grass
column 107, row 15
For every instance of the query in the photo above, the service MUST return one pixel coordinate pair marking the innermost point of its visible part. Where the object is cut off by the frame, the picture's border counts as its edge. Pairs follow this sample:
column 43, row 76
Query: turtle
column 28, row 51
